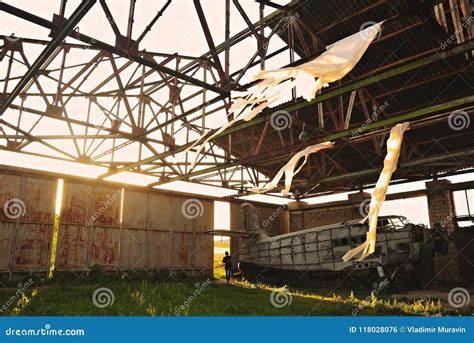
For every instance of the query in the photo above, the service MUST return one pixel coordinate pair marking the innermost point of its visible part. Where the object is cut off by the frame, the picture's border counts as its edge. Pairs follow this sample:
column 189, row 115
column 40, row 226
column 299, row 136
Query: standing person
column 227, row 260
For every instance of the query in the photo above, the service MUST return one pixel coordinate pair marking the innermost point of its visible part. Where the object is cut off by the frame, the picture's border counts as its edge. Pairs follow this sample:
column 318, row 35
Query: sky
column 177, row 31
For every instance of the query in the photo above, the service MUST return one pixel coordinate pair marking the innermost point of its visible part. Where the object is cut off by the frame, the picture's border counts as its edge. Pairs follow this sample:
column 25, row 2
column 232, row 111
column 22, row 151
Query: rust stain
column 103, row 249
column 73, row 248
column 37, row 207
column 33, row 252
column 103, row 254
column 106, row 209
column 184, row 253
column 75, row 209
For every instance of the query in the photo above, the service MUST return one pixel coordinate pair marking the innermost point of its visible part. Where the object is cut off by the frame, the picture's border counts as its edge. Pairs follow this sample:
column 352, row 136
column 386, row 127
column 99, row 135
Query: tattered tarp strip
column 394, row 143
column 289, row 168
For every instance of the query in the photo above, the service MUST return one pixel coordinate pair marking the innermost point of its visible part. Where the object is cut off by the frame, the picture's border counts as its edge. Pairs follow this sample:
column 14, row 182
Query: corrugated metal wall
column 155, row 233
column 26, row 223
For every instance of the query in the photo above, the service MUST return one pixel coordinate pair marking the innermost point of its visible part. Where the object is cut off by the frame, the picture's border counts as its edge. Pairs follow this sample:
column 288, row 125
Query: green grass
column 146, row 298
column 68, row 295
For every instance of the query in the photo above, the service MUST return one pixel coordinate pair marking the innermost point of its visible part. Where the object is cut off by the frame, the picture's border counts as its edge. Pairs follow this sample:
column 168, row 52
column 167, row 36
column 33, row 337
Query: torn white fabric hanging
column 289, row 168
column 335, row 63
column 394, row 143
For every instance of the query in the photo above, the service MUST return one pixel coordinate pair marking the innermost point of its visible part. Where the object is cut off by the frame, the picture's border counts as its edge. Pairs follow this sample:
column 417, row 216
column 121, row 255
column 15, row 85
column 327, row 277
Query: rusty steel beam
column 210, row 41
column 153, row 21
column 62, row 33
column 111, row 49
column 110, row 18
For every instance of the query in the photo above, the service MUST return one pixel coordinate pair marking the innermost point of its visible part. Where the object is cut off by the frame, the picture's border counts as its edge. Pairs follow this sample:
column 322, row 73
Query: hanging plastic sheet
column 336, row 62
column 289, row 168
column 378, row 196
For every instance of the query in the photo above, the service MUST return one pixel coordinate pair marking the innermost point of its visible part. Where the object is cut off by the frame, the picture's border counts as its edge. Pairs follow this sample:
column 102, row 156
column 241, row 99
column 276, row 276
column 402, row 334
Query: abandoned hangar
column 101, row 129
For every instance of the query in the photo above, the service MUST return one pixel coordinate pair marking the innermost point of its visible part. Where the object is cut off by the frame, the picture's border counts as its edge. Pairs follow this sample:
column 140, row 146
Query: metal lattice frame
column 135, row 116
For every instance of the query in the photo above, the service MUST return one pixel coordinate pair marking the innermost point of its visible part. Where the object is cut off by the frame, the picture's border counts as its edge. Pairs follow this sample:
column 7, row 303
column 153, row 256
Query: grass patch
column 145, row 298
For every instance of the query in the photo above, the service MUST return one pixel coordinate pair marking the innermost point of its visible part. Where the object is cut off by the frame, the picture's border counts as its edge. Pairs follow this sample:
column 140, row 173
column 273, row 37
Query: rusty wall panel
column 73, row 240
column 329, row 215
column 182, row 250
column 159, row 249
column 34, row 233
column 157, row 231
column 39, row 196
column 236, row 217
column 133, row 249
column 6, row 241
column 9, row 189
column 159, row 234
column 236, row 223
column 159, row 211
column 105, row 247
column 270, row 218
column 204, row 251
column 106, row 206
column 205, row 221
column 96, row 210
column 33, row 244
column 274, row 220
column 204, row 243
column 72, row 247
column 10, row 186
column 76, row 221
column 135, row 206
column 77, row 203
column 296, row 221
column 284, row 222
column 184, row 211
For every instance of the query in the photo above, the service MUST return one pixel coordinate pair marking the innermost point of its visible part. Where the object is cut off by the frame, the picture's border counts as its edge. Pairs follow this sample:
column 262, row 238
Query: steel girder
column 109, row 48
column 62, row 33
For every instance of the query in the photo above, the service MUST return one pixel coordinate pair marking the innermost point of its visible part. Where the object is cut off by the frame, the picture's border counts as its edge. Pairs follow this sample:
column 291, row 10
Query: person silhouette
column 227, row 260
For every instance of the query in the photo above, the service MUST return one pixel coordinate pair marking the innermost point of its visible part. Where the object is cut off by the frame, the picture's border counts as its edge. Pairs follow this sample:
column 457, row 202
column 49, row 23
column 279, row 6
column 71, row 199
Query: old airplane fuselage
column 321, row 249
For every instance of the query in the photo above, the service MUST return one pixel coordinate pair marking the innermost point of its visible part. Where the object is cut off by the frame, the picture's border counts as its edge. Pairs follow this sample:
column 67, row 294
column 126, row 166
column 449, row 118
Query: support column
column 442, row 214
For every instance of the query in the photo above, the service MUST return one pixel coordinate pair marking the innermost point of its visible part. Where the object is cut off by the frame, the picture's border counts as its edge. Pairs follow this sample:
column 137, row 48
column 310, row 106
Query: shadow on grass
column 203, row 298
